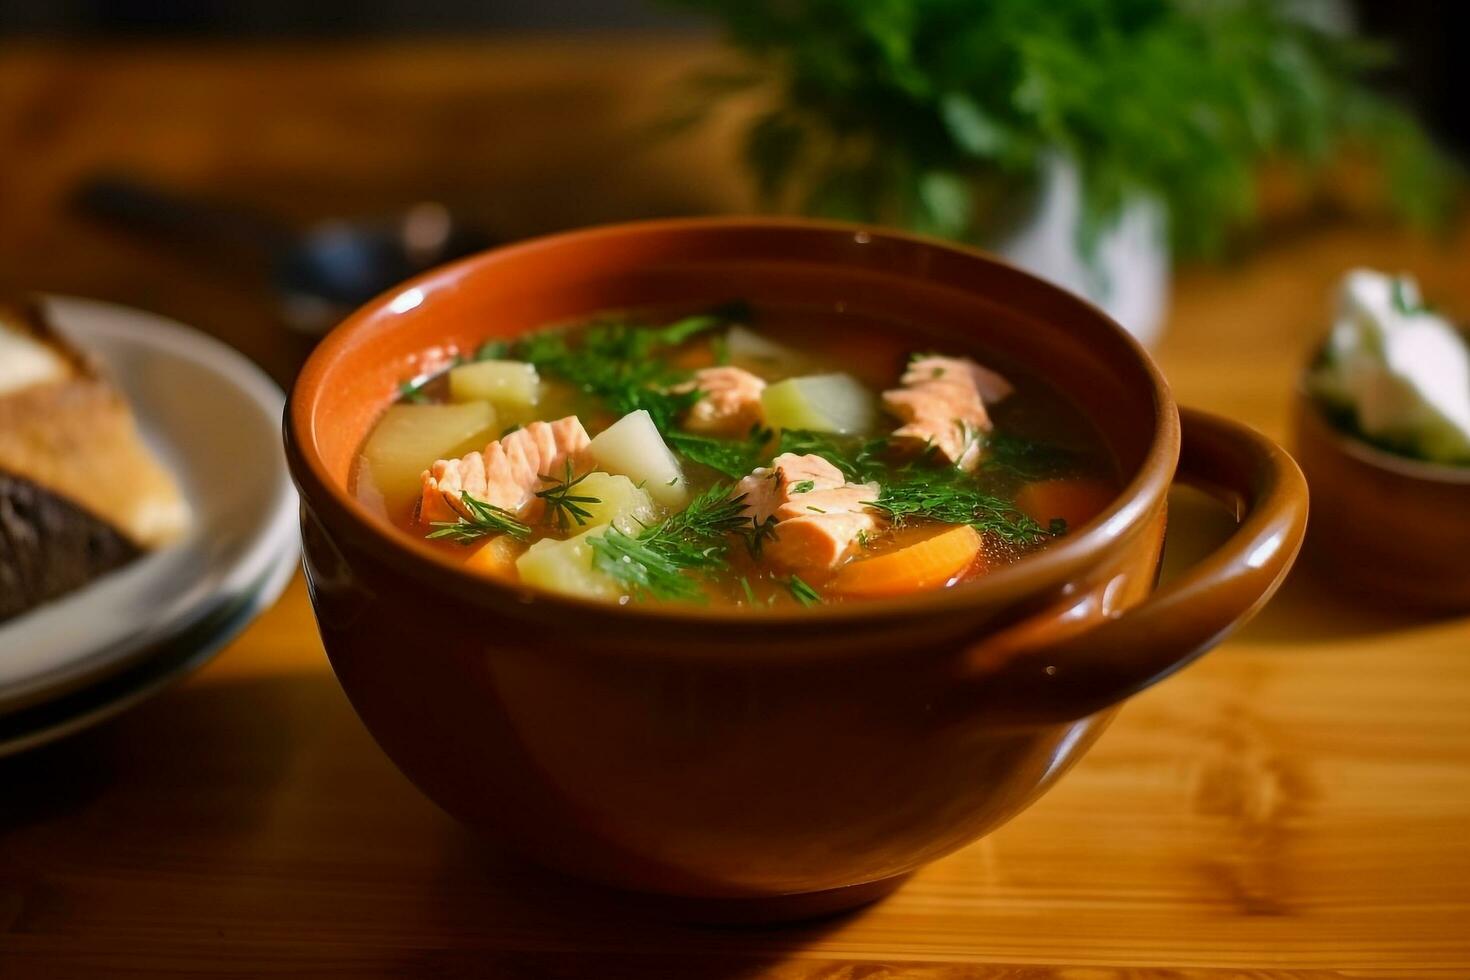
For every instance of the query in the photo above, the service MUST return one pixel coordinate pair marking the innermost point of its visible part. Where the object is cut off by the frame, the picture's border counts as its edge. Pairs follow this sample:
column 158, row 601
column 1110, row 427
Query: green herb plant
column 930, row 113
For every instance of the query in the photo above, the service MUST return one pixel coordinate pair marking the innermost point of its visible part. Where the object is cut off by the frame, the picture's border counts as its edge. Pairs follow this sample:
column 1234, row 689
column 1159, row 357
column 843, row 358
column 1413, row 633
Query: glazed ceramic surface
column 1125, row 272
column 1386, row 527
column 815, row 755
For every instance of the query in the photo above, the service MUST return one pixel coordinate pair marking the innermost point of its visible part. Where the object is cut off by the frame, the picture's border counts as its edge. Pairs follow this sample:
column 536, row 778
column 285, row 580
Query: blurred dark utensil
column 319, row 274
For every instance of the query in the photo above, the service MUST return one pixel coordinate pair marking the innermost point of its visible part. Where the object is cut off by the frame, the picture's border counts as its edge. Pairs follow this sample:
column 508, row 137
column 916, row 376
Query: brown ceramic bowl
column 781, row 762
column 1384, row 526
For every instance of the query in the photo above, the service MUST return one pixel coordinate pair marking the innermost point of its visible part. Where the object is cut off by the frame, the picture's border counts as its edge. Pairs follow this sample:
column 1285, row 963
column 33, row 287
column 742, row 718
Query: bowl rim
column 1361, row 450
column 1054, row 566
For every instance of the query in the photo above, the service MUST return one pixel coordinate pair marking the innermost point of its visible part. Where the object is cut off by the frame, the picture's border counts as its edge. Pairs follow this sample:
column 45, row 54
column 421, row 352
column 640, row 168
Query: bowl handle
column 1048, row 681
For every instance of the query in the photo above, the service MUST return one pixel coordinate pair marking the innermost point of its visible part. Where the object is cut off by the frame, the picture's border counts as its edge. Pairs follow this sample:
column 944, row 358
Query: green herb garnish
column 802, row 592
column 681, row 330
column 920, row 488
column 1400, row 299
column 413, row 391
column 805, row 486
column 493, row 350
column 483, row 520
column 756, row 535
column 620, row 364
column 949, row 497
column 728, row 456
column 1027, row 459
column 657, row 561
column 563, row 506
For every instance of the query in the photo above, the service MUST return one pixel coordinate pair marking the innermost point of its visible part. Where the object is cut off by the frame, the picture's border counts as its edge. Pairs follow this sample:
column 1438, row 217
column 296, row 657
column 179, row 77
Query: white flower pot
column 1129, row 275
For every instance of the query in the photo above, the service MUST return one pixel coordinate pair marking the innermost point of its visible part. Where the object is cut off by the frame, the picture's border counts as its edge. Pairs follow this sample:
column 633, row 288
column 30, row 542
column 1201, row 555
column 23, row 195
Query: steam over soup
column 735, row 457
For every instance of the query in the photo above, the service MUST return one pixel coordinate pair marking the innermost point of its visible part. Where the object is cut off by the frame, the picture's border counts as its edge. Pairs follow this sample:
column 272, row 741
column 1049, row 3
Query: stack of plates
column 214, row 419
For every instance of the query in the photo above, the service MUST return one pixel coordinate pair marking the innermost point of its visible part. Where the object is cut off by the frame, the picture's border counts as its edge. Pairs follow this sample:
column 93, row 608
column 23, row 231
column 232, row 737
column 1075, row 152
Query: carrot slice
column 496, row 557
column 930, row 564
column 1075, row 501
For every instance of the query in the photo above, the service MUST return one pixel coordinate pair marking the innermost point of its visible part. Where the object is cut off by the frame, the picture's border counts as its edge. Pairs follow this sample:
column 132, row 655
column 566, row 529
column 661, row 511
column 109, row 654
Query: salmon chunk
column 731, row 404
column 818, row 516
column 767, row 489
column 942, row 404
column 507, row 472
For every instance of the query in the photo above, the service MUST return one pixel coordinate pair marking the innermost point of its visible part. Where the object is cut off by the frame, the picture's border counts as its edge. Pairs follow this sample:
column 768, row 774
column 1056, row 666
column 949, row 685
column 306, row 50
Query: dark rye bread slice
column 49, row 546
column 80, row 494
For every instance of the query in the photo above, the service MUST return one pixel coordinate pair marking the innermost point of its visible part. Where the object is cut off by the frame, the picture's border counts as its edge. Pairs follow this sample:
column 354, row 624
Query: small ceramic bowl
column 767, row 763
column 1384, row 526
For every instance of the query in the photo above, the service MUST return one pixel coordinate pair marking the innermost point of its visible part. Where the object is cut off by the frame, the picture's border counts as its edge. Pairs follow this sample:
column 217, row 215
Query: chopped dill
column 1027, row 459
column 756, row 535
column 948, row 497
column 815, row 509
column 749, row 592
column 657, row 561
column 413, row 391
column 727, row 456
column 1401, row 301
column 720, row 349
column 642, row 566
column 492, row 350
column 681, row 330
column 619, row 363
column 483, row 520
column 805, row 486
column 562, row 506
column 802, row 592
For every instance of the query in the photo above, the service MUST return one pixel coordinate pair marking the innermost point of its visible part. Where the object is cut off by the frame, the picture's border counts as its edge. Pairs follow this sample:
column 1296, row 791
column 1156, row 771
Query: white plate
column 215, row 420
column 160, row 666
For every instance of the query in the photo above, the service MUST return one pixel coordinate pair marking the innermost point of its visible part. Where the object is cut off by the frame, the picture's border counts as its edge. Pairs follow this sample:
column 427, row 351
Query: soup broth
column 739, row 457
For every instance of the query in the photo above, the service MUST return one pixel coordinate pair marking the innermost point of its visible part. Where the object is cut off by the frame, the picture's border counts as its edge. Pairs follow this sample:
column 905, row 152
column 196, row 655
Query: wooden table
column 1297, row 805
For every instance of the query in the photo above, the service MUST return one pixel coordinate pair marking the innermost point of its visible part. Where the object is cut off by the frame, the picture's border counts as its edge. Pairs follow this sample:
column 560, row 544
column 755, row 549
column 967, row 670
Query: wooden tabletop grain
column 1296, row 805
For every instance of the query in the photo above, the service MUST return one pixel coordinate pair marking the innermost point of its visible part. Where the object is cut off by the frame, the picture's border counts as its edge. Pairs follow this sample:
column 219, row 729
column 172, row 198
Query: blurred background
column 1425, row 32
column 1206, row 169
column 172, row 155
column 335, row 17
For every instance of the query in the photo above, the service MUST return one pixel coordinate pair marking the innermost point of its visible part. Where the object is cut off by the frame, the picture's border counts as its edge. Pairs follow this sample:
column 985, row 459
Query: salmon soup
column 740, row 457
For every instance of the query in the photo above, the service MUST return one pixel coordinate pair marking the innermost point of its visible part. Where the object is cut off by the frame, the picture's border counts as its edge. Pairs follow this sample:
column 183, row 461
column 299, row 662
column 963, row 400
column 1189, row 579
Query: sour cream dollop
column 1402, row 370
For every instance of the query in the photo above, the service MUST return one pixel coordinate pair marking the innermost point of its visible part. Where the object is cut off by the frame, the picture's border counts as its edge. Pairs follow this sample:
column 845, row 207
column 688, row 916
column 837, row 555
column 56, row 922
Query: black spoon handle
column 179, row 219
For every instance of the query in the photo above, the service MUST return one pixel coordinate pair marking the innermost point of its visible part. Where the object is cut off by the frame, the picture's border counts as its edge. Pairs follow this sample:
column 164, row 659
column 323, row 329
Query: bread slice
column 80, row 494
column 49, row 547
